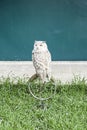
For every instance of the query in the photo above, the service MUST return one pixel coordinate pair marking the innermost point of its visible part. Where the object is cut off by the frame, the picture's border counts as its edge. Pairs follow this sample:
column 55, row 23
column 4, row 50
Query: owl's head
column 40, row 46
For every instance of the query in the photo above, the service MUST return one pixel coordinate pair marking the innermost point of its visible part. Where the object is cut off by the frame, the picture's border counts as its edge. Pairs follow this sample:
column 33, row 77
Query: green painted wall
column 62, row 23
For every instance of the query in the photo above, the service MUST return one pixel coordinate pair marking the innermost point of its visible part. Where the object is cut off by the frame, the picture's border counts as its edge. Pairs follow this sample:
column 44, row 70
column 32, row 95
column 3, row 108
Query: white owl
column 41, row 58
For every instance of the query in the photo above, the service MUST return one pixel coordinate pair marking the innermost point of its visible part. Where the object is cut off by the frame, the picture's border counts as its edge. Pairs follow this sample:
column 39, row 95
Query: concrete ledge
column 62, row 70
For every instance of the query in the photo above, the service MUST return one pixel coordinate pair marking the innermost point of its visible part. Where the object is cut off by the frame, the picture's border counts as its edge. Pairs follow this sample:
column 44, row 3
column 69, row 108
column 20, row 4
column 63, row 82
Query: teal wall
column 62, row 23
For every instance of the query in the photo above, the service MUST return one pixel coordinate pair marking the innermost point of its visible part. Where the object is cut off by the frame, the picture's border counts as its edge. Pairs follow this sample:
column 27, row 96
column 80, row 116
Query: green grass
column 67, row 110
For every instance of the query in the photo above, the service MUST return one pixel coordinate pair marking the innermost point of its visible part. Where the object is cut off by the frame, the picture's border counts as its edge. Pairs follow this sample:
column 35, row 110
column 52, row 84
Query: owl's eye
column 40, row 44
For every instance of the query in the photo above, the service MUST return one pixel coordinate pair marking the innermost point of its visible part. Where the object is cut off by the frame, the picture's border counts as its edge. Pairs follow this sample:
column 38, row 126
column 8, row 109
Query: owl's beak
column 37, row 48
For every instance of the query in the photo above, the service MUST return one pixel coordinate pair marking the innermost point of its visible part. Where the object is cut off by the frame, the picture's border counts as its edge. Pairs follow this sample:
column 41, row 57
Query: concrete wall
column 61, row 70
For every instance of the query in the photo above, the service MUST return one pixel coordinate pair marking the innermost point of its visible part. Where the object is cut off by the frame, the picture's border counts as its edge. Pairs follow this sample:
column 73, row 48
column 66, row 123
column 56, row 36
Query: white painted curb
column 61, row 70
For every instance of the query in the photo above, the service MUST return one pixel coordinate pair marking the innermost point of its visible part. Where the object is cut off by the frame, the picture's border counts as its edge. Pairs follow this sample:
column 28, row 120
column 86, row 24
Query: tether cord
column 38, row 98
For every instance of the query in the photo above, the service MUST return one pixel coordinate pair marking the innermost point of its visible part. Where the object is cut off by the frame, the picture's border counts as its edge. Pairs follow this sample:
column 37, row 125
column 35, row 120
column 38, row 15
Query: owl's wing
column 34, row 59
column 45, row 59
column 48, row 55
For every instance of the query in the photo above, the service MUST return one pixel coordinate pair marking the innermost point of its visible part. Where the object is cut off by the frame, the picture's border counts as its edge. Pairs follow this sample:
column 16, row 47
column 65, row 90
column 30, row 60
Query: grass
column 67, row 110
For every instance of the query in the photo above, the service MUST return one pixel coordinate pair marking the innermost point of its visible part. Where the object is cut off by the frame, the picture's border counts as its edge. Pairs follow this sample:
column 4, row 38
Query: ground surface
column 67, row 110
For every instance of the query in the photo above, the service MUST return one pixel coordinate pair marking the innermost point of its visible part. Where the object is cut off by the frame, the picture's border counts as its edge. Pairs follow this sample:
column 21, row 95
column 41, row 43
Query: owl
column 41, row 58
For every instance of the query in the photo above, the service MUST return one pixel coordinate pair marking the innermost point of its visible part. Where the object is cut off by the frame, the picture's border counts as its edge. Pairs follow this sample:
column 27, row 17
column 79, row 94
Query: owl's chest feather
column 40, row 56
